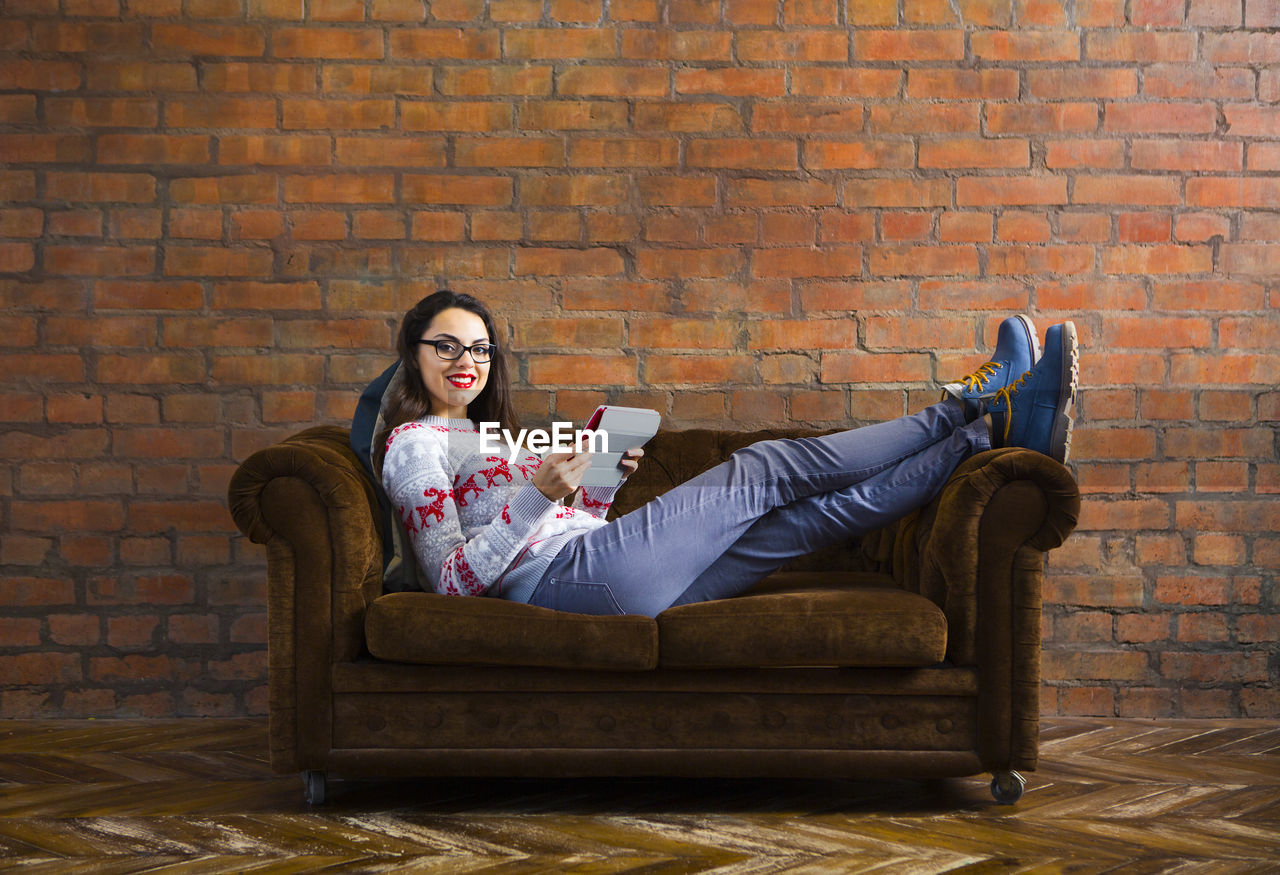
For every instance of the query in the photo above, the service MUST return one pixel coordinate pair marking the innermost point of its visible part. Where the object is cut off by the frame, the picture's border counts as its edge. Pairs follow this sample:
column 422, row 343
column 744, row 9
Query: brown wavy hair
column 410, row 400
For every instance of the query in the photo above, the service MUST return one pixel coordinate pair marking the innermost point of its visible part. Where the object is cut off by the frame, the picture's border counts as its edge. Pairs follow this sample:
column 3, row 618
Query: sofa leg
column 313, row 785
column 1007, row 787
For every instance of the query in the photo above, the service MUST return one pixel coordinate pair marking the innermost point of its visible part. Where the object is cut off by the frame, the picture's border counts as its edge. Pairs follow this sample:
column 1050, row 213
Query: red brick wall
column 742, row 212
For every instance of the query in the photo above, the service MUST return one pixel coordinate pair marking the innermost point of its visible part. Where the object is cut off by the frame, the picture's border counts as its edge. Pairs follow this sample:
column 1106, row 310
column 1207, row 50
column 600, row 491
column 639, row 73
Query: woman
column 483, row 524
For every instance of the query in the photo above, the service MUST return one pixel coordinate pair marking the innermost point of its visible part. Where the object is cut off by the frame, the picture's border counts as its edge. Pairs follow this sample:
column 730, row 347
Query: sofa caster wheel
column 1007, row 787
column 313, row 785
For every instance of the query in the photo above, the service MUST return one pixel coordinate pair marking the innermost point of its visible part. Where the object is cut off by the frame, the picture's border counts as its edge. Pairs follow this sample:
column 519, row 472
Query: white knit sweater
column 477, row 524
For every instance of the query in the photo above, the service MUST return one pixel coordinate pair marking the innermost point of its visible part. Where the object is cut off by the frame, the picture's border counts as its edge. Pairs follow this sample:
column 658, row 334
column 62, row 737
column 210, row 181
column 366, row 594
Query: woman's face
column 451, row 386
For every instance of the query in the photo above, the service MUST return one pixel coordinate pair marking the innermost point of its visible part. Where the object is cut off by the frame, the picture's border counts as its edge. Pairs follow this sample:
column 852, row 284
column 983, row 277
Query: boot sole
column 1064, row 420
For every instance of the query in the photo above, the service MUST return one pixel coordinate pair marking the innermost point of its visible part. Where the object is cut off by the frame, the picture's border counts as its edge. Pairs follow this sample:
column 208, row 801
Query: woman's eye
column 447, row 348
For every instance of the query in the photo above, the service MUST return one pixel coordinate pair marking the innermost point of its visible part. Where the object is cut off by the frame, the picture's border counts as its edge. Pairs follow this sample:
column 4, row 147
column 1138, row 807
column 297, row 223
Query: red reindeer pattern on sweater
column 500, row 469
column 470, row 515
column 436, row 507
column 460, row 491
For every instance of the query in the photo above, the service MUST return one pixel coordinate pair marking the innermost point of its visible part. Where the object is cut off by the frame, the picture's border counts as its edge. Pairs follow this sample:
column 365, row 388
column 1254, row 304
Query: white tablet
column 627, row 428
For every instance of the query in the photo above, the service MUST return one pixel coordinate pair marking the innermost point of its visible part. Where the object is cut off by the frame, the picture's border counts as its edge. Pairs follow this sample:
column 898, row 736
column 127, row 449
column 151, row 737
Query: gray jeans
column 721, row 532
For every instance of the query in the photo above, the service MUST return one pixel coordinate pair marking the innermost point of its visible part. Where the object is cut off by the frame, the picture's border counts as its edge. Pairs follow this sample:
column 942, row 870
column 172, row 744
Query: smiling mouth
column 461, row 381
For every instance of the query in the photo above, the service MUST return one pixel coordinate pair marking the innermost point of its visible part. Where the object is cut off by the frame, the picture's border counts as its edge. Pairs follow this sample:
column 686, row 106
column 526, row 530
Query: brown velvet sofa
column 911, row 652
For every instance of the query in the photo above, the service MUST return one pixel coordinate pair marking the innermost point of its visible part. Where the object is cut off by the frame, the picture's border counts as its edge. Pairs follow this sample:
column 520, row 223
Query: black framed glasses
column 451, row 350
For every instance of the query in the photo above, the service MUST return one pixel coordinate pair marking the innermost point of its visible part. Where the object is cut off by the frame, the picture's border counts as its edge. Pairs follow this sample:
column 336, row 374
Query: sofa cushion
column 437, row 629
column 806, row 620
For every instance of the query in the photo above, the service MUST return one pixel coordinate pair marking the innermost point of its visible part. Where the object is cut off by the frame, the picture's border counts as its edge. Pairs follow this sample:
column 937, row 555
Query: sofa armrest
column 308, row 500
column 980, row 554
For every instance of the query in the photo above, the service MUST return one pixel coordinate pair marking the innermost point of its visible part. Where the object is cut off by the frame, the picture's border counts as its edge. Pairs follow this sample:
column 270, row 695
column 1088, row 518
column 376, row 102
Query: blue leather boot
column 1016, row 352
column 1038, row 409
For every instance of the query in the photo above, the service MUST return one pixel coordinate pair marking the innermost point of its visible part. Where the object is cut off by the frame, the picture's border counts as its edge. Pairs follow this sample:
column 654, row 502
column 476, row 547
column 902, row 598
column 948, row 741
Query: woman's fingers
column 552, row 477
column 561, row 473
column 631, row 461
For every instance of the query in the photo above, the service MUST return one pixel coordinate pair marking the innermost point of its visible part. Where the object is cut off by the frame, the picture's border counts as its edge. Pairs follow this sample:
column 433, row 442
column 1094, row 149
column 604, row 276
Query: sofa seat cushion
column 434, row 629
column 805, row 621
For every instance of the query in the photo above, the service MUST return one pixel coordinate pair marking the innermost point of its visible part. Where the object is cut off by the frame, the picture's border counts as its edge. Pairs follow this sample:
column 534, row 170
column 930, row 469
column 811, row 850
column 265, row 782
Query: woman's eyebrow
column 444, row 335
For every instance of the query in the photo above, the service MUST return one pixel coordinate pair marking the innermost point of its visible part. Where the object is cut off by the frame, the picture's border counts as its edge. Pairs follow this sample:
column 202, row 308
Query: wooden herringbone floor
column 198, row 796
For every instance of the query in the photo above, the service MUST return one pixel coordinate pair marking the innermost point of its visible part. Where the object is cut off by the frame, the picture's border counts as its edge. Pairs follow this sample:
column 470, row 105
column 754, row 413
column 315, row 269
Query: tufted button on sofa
column 912, row 651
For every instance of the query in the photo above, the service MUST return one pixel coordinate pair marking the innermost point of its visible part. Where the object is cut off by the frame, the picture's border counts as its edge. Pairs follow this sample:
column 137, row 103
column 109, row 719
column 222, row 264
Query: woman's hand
column 560, row 473
column 630, row 461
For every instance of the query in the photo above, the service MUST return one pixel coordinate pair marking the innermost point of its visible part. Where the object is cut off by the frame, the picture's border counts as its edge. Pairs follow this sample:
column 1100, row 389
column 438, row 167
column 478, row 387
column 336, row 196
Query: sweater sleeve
column 595, row 500
column 418, row 480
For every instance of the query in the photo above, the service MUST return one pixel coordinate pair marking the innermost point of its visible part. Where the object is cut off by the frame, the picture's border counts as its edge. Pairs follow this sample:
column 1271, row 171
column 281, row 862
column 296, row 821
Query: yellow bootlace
column 1007, row 393
column 979, row 378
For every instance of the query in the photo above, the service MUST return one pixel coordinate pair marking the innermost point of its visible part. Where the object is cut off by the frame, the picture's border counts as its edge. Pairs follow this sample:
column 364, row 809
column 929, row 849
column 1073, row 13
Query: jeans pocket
column 575, row 597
